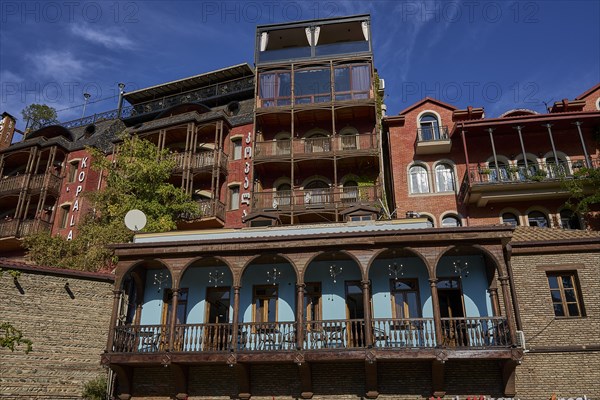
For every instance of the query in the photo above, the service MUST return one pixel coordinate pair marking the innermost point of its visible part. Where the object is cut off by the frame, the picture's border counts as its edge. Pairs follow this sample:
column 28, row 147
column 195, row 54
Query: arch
column 569, row 219
column 348, row 130
column 152, row 262
column 418, row 178
column 314, row 178
column 280, row 181
column 407, row 250
column 282, row 135
column 451, row 214
column 445, row 177
column 323, row 254
column 557, row 168
column 598, row 103
column 201, row 259
column 430, row 218
column 512, row 211
column 316, row 132
column 465, row 250
column 518, row 112
column 429, row 123
column 536, row 212
column 263, row 257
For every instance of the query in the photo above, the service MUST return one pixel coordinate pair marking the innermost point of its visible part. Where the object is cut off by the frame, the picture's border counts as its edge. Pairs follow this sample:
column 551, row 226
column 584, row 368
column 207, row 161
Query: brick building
column 339, row 254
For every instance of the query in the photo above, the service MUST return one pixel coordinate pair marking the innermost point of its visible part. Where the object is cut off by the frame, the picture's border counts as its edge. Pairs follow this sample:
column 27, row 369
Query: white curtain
column 308, row 35
column 418, row 180
column 317, row 31
column 267, row 86
column 264, row 40
column 444, row 176
column 365, row 30
column 361, row 78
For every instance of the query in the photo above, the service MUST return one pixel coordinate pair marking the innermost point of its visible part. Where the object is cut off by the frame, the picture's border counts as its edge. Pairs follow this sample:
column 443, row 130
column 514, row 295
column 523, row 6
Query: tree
column 38, row 115
column 584, row 189
column 95, row 389
column 136, row 178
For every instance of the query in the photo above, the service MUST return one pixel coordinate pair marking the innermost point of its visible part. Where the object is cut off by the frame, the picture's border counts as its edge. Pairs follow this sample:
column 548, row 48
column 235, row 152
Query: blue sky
column 497, row 54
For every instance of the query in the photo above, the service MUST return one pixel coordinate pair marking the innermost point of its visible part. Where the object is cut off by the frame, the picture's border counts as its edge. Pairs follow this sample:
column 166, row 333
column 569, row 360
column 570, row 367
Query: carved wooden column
column 300, row 326
column 235, row 321
column 174, row 301
column 113, row 320
column 437, row 316
column 509, row 316
column 367, row 308
column 493, row 292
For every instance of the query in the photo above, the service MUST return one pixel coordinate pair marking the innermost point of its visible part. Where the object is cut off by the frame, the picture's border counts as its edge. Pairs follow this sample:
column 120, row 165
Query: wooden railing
column 266, row 336
column 316, row 198
column 9, row 227
column 36, row 182
column 332, row 334
column 202, row 337
column 339, row 144
column 197, row 161
column 475, row 332
column 140, row 338
column 399, row 333
column 208, row 209
column 12, row 183
column 21, row 228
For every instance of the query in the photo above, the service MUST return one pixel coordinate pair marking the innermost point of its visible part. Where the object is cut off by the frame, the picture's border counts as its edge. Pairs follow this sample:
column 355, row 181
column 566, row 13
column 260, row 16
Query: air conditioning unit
column 521, row 340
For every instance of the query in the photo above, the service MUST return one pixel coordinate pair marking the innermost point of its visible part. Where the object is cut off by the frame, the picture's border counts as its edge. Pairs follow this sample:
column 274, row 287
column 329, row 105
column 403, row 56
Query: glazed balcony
column 35, row 183
column 328, row 335
column 22, row 228
column 482, row 185
column 307, row 199
column 198, row 162
column 344, row 145
column 433, row 140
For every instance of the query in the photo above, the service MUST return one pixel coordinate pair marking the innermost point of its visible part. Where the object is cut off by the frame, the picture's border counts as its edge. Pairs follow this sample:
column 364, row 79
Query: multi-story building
column 327, row 290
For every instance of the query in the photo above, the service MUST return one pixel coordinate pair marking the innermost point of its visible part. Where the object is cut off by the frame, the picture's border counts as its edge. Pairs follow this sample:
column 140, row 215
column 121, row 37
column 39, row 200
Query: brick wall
column 68, row 334
column 567, row 373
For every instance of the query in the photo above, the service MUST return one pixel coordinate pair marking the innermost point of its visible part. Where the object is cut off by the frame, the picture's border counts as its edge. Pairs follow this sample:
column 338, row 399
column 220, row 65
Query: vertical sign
column 246, row 187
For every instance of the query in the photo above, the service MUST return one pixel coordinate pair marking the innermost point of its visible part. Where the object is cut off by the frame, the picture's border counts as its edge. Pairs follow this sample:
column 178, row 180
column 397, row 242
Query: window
column 234, row 198
column 527, row 172
column 565, row 294
column 312, row 302
column 181, row 306
column 444, row 178
column 283, row 197
column 356, row 218
column 352, row 82
column 419, row 182
column 265, row 303
column 510, row 218
column 429, row 128
column 317, row 192
column 430, row 223
column 312, row 86
column 557, row 169
column 538, row 218
column 405, row 293
column 275, row 89
column 569, row 220
column 73, row 171
column 502, row 171
column 64, row 215
column 350, row 192
column 237, row 149
column 450, row 221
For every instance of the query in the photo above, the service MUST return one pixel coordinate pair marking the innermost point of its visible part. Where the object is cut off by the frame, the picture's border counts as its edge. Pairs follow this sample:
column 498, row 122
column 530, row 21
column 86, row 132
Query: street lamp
column 86, row 97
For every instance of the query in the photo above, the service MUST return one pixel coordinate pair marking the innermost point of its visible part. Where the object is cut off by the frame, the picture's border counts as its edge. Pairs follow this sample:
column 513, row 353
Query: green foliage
column 135, row 179
column 95, row 389
column 38, row 115
column 584, row 189
column 11, row 337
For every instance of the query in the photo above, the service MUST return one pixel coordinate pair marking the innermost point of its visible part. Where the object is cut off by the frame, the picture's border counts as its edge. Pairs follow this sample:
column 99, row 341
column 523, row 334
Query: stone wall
column 68, row 330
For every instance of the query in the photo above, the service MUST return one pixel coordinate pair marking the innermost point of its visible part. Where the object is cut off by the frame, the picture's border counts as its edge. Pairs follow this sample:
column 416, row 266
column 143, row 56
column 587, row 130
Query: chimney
column 7, row 130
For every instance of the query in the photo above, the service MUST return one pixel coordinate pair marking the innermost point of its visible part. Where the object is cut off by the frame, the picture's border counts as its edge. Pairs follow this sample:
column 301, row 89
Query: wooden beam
column 180, row 374
column 304, row 371
column 371, row 379
column 508, row 377
column 437, row 378
column 124, row 376
column 243, row 380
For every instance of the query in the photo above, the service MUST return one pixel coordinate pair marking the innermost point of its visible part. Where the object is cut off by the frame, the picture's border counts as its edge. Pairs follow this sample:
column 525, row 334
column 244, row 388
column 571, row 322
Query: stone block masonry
column 68, row 331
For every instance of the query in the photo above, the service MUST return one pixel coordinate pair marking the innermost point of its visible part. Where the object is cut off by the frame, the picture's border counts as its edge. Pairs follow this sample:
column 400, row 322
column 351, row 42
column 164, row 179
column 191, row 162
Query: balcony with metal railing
column 433, row 140
column 483, row 184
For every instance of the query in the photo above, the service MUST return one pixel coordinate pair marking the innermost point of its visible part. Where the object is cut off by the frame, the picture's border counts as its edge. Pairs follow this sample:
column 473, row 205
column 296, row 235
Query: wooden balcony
column 34, row 183
column 208, row 209
column 20, row 228
column 199, row 162
column 433, row 140
column 480, row 333
column 313, row 199
column 482, row 185
column 342, row 146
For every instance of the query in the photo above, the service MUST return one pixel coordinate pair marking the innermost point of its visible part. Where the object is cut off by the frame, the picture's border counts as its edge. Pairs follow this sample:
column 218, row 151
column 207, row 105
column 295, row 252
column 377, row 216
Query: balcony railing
column 12, row 183
column 316, row 198
column 193, row 96
column 36, row 182
column 316, row 146
column 408, row 332
column 198, row 161
column 21, row 228
column 476, row 332
column 430, row 134
column 208, row 209
column 386, row 333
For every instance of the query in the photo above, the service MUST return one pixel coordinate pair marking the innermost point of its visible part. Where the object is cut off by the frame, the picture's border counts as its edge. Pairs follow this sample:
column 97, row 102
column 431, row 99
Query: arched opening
column 538, row 218
column 429, row 128
column 570, row 220
column 317, row 192
column 402, row 302
column 510, row 219
column 350, row 191
column 317, row 141
column 283, row 196
column 451, row 220
column 444, row 178
column 419, row 180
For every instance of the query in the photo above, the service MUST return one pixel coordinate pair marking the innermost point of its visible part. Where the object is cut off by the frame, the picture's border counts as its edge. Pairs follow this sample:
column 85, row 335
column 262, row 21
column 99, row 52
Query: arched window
column 500, row 174
column 429, row 128
column 570, row 220
column 282, row 143
column 510, row 218
column 538, row 218
column 430, row 223
column 348, row 138
column 557, row 168
column 451, row 221
column 419, row 182
column 283, row 197
column 526, row 173
column 317, row 141
column 317, row 192
column 444, row 178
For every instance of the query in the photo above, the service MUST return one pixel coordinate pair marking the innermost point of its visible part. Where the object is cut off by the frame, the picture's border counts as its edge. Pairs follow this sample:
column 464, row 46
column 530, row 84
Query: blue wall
column 380, row 285
column 333, row 299
column 474, row 287
column 153, row 298
column 257, row 275
column 196, row 280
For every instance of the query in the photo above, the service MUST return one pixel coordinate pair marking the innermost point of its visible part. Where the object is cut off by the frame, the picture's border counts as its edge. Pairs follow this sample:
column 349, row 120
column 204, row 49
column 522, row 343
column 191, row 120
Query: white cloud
column 57, row 65
column 111, row 38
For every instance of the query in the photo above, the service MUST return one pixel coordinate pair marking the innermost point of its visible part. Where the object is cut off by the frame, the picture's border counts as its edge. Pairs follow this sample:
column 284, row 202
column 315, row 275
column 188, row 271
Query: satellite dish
column 135, row 220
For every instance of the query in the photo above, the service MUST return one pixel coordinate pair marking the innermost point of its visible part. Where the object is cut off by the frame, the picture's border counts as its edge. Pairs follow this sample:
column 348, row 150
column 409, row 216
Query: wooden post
column 235, row 322
column 437, row 316
column 509, row 317
column 300, row 326
column 367, row 307
column 113, row 320
column 173, row 321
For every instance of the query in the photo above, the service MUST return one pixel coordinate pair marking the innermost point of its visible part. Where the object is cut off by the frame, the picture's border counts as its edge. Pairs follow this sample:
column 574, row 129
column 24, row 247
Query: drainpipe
column 507, row 256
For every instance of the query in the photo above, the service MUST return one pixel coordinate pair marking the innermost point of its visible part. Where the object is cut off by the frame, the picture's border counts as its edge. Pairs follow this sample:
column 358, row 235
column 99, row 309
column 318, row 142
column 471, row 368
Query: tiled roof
column 536, row 234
